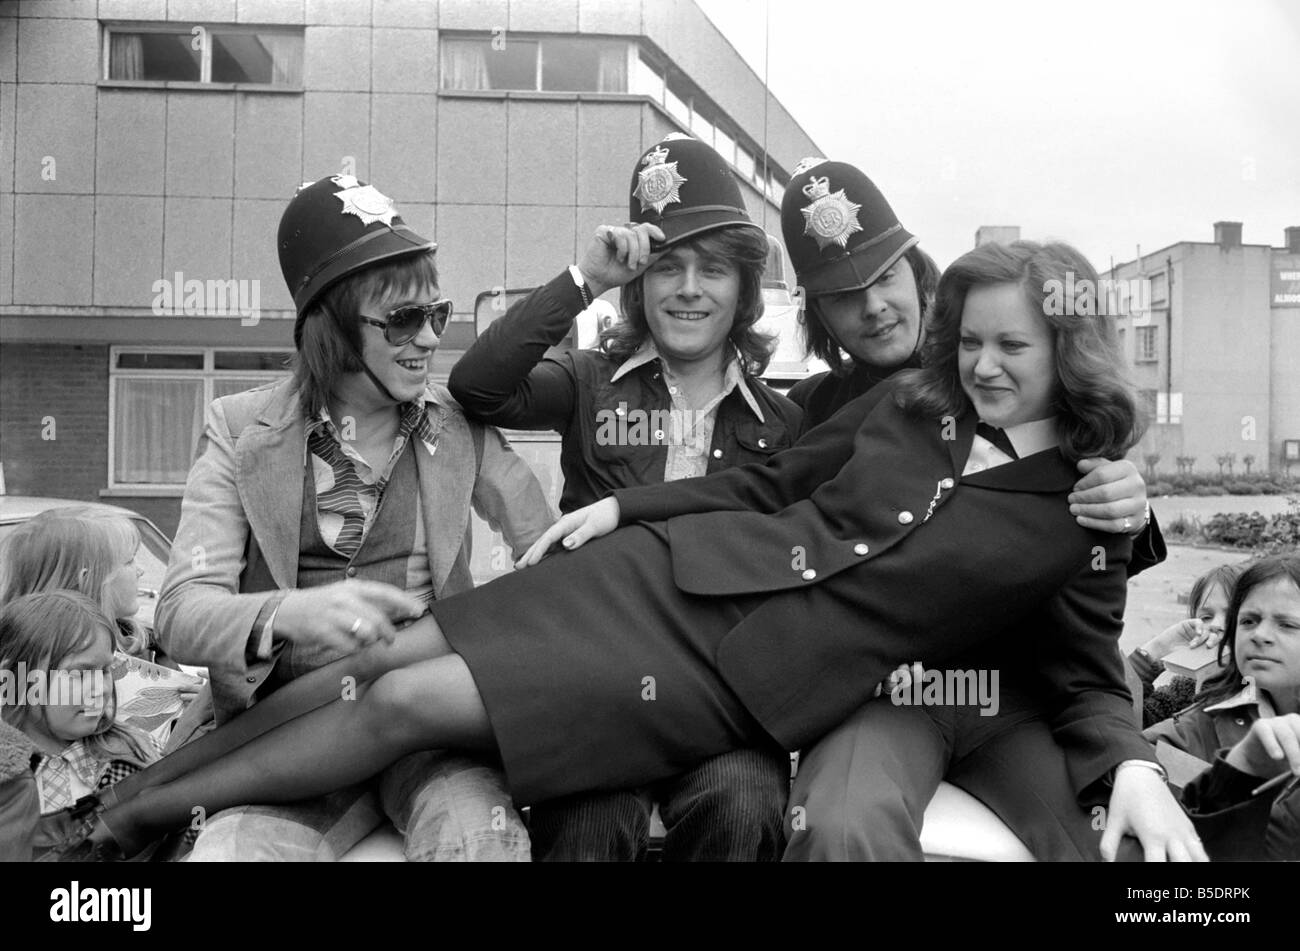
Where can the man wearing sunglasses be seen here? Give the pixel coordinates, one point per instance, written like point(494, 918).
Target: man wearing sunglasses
point(325, 510)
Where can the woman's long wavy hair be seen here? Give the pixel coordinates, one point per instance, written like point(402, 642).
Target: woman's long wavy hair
point(37, 633)
point(1094, 400)
point(74, 549)
point(818, 341)
point(329, 345)
point(1228, 681)
point(744, 248)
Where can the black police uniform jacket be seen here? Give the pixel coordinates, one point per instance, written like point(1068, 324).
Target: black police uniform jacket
point(506, 379)
point(882, 552)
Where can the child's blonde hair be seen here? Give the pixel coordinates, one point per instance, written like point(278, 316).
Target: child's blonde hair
point(37, 633)
point(72, 549)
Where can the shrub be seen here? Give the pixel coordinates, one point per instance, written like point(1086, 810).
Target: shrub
point(1236, 529)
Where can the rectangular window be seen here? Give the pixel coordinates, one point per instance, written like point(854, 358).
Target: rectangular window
point(702, 129)
point(551, 64)
point(226, 55)
point(647, 81)
point(1146, 341)
point(1159, 287)
point(725, 145)
point(677, 107)
point(745, 163)
point(583, 65)
point(157, 398)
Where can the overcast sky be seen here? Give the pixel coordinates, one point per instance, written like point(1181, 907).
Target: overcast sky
point(1110, 123)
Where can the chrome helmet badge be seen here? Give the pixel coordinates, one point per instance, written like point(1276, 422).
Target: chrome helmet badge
point(659, 182)
point(829, 219)
point(365, 201)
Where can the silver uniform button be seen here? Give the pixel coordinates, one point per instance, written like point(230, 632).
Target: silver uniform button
point(762, 444)
point(905, 518)
point(672, 390)
point(808, 574)
point(620, 412)
point(717, 454)
point(860, 548)
point(946, 484)
point(659, 435)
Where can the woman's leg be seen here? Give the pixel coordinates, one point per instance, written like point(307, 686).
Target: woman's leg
point(419, 641)
point(430, 705)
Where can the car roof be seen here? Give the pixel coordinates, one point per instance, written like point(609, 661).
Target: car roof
point(20, 508)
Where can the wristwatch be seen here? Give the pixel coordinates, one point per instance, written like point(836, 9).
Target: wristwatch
point(576, 273)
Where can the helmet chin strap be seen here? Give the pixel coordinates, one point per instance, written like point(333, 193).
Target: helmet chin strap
point(375, 380)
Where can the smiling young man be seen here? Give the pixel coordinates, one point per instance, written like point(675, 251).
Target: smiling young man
point(324, 509)
point(673, 392)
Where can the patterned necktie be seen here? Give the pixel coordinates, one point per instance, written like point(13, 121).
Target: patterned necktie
point(998, 437)
point(344, 497)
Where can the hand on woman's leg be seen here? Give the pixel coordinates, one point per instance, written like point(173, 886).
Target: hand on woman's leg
point(430, 705)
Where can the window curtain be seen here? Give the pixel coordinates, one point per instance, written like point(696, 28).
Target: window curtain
point(125, 56)
point(158, 423)
point(286, 57)
point(464, 65)
point(612, 69)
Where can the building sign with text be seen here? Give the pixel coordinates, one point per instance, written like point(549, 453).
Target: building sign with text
point(1284, 287)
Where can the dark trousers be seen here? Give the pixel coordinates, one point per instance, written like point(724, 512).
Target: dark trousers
point(861, 792)
point(730, 808)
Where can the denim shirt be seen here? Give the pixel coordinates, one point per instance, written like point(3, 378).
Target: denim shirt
point(606, 418)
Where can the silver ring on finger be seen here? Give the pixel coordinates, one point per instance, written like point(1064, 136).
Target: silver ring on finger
point(356, 626)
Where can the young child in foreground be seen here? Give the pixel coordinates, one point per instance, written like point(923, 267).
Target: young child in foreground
point(1246, 723)
point(58, 738)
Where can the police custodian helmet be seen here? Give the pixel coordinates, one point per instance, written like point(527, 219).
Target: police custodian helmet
point(840, 232)
point(685, 188)
point(334, 227)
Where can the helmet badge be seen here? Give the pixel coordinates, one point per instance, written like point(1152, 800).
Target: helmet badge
point(830, 218)
point(365, 201)
point(659, 182)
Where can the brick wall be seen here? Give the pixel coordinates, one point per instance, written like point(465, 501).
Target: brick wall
point(68, 386)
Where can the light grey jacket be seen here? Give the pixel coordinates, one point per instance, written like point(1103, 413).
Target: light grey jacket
point(240, 518)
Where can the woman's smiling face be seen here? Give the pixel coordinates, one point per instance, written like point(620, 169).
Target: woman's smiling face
point(1005, 356)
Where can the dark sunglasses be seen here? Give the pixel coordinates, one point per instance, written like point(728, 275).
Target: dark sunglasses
point(405, 322)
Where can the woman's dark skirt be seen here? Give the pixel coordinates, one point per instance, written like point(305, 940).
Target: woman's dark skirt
point(596, 671)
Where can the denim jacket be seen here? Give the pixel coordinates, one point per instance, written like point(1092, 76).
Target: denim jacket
point(506, 379)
